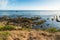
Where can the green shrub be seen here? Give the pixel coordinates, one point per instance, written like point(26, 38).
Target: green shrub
point(4, 35)
point(37, 29)
point(52, 30)
point(28, 29)
point(7, 28)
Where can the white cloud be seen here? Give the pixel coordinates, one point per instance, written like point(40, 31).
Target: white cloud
point(57, 7)
point(3, 4)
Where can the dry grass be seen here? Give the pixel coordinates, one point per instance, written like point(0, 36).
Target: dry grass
point(28, 35)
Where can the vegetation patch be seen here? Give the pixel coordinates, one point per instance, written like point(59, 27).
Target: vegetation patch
point(51, 30)
point(7, 28)
point(28, 29)
point(4, 35)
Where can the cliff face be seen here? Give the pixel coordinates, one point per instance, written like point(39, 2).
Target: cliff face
point(32, 35)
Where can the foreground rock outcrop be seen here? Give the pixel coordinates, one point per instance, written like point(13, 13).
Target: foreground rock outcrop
point(31, 35)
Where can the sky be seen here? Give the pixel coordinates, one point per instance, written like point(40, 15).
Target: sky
point(29, 4)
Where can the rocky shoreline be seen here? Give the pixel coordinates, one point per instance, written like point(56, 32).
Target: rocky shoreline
point(20, 28)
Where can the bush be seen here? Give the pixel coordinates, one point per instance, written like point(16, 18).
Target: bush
point(52, 30)
point(4, 35)
point(28, 29)
point(7, 28)
point(37, 29)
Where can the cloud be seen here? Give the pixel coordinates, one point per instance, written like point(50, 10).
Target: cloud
point(10, 5)
point(3, 4)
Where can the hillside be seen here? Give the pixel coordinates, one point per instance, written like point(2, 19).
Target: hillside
point(28, 35)
point(21, 28)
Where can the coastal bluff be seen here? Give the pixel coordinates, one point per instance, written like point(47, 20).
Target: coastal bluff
point(31, 35)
